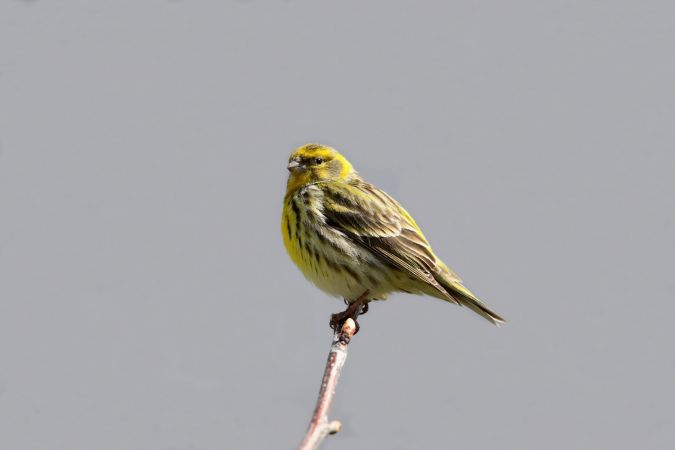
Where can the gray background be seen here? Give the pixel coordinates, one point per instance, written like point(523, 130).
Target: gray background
point(146, 300)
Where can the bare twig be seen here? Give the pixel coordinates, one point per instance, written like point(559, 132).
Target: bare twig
point(320, 427)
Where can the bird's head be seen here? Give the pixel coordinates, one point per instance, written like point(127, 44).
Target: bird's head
point(314, 163)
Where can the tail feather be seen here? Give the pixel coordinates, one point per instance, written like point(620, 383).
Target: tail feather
point(481, 309)
point(464, 297)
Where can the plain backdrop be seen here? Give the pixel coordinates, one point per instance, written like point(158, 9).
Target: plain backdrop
point(146, 300)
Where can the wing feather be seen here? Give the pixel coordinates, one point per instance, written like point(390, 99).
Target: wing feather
point(379, 223)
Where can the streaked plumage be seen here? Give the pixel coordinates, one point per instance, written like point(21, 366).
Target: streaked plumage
point(348, 237)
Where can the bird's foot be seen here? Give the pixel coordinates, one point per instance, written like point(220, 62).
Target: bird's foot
point(354, 309)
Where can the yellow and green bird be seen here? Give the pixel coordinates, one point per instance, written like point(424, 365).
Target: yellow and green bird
point(354, 241)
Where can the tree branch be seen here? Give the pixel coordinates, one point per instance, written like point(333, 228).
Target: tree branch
point(319, 426)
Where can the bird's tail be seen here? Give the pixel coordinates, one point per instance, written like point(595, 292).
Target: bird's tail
point(465, 297)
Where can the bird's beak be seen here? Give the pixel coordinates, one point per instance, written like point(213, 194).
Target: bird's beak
point(293, 166)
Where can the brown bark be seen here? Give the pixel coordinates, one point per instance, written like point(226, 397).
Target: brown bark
point(319, 426)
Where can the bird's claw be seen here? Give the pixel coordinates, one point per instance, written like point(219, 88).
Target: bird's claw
point(353, 311)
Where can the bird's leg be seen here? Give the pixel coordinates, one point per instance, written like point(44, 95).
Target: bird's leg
point(353, 311)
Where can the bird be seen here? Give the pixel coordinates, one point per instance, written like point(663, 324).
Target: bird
point(352, 240)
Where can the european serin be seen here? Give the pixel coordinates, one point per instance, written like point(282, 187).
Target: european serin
point(354, 241)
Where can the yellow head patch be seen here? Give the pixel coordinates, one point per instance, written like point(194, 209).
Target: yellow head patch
point(313, 163)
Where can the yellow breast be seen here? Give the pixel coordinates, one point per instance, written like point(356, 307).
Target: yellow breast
point(329, 264)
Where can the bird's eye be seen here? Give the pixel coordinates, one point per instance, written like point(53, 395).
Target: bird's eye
point(318, 160)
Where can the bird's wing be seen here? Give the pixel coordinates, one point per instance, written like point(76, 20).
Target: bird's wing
point(376, 221)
